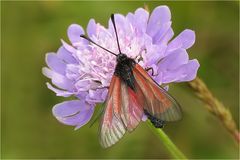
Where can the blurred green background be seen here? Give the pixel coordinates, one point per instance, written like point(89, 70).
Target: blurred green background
point(31, 29)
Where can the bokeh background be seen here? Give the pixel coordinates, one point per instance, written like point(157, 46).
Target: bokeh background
point(31, 29)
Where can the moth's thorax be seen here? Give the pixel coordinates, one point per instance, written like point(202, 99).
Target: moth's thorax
point(124, 59)
point(124, 69)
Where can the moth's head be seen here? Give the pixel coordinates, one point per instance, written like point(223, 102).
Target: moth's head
point(121, 57)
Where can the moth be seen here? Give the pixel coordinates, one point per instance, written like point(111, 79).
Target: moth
point(132, 94)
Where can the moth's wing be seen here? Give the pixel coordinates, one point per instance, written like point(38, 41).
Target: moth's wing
point(159, 103)
point(123, 112)
point(132, 106)
point(112, 127)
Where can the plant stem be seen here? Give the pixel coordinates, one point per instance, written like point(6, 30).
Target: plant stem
point(171, 147)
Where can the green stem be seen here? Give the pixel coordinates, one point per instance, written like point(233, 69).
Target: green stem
point(171, 147)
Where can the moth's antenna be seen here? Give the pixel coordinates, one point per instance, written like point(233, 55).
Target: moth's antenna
point(114, 25)
point(88, 39)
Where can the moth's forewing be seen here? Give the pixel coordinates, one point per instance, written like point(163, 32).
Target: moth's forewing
point(111, 126)
point(159, 103)
point(123, 112)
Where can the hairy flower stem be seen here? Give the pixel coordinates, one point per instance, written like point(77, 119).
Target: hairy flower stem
point(171, 147)
point(215, 106)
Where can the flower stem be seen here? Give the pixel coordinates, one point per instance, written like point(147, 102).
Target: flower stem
point(215, 107)
point(171, 147)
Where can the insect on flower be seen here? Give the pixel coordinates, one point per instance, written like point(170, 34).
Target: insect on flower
point(122, 65)
point(133, 93)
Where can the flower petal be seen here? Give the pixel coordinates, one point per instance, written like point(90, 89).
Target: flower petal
point(141, 16)
point(74, 32)
point(190, 70)
point(73, 71)
point(66, 55)
point(97, 96)
point(158, 78)
point(59, 92)
point(83, 84)
point(185, 72)
point(55, 63)
point(68, 47)
point(166, 87)
point(174, 60)
point(58, 79)
point(91, 28)
point(184, 40)
point(155, 53)
point(162, 32)
point(124, 28)
point(167, 37)
point(144, 118)
point(158, 18)
point(74, 113)
point(139, 20)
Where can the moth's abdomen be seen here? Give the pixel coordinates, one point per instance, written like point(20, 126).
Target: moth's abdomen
point(158, 123)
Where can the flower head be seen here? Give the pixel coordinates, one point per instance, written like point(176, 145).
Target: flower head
point(84, 70)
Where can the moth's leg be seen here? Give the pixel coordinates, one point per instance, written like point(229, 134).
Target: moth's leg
point(150, 68)
point(139, 57)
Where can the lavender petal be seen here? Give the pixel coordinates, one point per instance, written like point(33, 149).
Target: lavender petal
point(185, 72)
point(55, 63)
point(91, 28)
point(174, 60)
point(190, 70)
point(66, 55)
point(58, 79)
point(159, 17)
point(74, 32)
point(74, 113)
point(59, 92)
point(184, 40)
